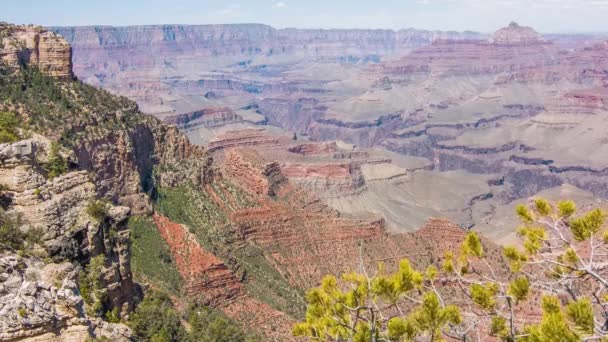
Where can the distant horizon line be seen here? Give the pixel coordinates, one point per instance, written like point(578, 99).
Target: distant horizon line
point(574, 32)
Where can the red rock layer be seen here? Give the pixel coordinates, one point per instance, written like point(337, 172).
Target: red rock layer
point(309, 240)
point(244, 173)
point(208, 278)
point(206, 275)
point(242, 138)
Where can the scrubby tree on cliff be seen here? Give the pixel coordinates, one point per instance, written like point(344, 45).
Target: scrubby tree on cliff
point(373, 308)
point(559, 274)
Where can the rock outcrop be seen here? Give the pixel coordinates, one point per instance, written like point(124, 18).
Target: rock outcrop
point(40, 298)
point(38, 47)
point(208, 117)
point(515, 34)
point(41, 302)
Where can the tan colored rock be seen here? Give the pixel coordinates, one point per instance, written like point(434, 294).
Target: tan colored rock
point(515, 34)
point(36, 46)
point(41, 302)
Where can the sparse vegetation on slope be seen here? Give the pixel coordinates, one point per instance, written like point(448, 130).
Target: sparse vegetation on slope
point(209, 223)
point(151, 259)
point(66, 110)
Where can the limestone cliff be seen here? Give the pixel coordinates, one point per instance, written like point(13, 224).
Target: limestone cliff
point(36, 46)
point(39, 288)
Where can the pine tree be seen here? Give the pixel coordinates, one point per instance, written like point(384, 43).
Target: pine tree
point(562, 259)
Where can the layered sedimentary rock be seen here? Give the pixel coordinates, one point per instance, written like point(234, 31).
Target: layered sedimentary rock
point(515, 34)
point(127, 60)
point(250, 39)
point(510, 49)
point(489, 112)
point(210, 280)
point(43, 298)
point(208, 117)
point(35, 46)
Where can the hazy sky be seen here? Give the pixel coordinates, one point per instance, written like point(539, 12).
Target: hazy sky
point(478, 15)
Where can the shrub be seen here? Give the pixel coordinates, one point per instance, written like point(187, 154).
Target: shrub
point(10, 235)
point(8, 127)
point(57, 165)
point(91, 286)
point(155, 319)
point(209, 325)
point(112, 316)
point(34, 235)
point(97, 209)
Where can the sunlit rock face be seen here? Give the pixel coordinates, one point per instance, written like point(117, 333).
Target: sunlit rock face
point(36, 46)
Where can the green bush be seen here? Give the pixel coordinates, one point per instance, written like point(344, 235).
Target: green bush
point(8, 127)
point(208, 325)
point(155, 319)
point(91, 286)
point(57, 165)
point(10, 235)
point(112, 316)
point(97, 209)
point(34, 236)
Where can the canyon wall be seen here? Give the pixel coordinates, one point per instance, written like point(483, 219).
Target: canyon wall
point(36, 46)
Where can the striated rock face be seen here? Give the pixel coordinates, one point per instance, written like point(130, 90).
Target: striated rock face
point(211, 281)
point(36, 46)
point(258, 39)
point(123, 161)
point(477, 58)
point(208, 117)
point(308, 239)
point(327, 180)
point(128, 60)
point(242, 138)
point(515, 34)
point(205, 274)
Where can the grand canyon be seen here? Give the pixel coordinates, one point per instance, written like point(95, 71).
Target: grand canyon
point(399, 125)
point(231, 167)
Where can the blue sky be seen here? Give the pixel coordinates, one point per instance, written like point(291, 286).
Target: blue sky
point(479, 15)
